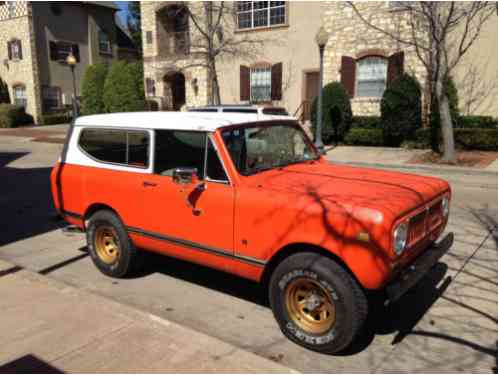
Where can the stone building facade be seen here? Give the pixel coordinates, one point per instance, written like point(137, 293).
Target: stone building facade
point(35, 39)
point(362, 59)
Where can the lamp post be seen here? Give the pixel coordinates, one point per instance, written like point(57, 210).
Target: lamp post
point(71, 62)
point(321, 38)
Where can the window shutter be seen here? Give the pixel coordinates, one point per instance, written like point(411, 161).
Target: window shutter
point(245, 84)
point(76, 51)
point(19, 48)
point(54, 54)
point(9, 50)
point(395, 66)
point(276, 82)
point(348, 72)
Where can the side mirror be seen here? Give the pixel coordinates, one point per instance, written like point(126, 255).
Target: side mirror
point(185, 176)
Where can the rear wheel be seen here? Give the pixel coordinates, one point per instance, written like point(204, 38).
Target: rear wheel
point(109, 246)
point(316, 303)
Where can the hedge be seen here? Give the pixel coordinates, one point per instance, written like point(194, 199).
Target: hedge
point(467, 139)
point(482, 122)
point(366, 122)
point(92, 89)
point(364, 137)
point(12, 116)
point(4, 92)
point(123, 88)
point(337, 112)
point(401, 110)
point(57, 118)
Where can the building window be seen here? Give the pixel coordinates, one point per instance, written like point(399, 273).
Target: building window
point(14, 49)
point(256, 14)
point(59, 51)
point(51, 98)
point(371, 76)
point(11, 6)
point(20, 96)
point(260, 84)
point(104, 43)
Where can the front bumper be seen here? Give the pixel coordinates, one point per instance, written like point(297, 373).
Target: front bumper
point(417, 270)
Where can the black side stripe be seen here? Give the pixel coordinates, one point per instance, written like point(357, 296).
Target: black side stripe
point(72, 214)
point(200, 247)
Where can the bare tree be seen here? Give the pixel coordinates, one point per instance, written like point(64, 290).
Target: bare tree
point(440, 33)
point(212, 37)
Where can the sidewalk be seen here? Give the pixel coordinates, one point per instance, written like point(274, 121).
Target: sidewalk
point(48, 326)
point(385, 157)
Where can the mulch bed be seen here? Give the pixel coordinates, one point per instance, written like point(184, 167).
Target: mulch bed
point(30, 133)
point(49, 140)
point(476, 159)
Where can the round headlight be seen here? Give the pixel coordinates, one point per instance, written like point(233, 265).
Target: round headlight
point(400, 236)
point(445, 206)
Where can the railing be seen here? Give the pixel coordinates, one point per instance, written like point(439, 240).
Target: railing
point(303, 112)
point(175, 43)
point(13, 9)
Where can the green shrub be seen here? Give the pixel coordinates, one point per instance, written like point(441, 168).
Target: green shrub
point(92, 89)
point(337, 115)
point(401, 110)
point(366, 122)
point(364, 137)
point(123, 88)
point(12, 116)
point(470, 122)
point(56, 118)
point(467, 139)
point(4, 92)
point(452, 93)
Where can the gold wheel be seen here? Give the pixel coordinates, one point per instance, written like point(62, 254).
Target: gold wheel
point(310, 306)
point(107, 244)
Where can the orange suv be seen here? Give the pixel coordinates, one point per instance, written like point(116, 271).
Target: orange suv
point(249, 194)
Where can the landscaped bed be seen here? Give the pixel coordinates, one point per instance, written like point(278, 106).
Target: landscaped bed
point(476, 159)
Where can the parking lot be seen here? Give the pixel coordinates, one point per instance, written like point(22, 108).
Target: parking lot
point(448, 323)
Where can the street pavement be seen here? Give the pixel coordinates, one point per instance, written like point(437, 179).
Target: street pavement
point(448, 323)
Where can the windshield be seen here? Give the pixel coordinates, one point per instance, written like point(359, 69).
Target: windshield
point(261, 147)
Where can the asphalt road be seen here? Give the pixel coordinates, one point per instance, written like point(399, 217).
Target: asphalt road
point(448, 323)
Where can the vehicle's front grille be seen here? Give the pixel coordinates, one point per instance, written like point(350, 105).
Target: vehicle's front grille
point(421, 224)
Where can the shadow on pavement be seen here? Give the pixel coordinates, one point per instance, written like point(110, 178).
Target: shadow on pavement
point(29, 364)
point(25, 200)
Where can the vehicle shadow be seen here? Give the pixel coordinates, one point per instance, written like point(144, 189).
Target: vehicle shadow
point(25, 200)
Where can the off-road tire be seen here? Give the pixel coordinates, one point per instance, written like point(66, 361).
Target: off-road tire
point(128, 260)
point(351, 306)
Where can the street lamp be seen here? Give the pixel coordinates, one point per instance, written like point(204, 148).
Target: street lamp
point(321, 38)
point(71, 62)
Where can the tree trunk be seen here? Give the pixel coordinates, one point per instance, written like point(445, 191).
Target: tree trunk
point(216, 85)
point(449, 155)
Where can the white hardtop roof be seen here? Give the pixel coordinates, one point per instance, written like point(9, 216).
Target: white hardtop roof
point(200, 121)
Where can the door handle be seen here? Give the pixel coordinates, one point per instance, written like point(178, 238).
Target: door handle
point(149, 184)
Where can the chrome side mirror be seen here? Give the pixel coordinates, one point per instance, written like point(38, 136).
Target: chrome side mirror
point(185, 176)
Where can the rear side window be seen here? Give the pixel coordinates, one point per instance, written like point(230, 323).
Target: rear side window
point(275, 111)
point(240, 110)
point(127, 147)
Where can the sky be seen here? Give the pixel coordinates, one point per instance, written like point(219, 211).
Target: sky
point(123, 14)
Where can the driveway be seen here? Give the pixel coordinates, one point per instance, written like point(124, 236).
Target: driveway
point(448, 323)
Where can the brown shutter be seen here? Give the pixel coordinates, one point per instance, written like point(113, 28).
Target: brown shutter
point(19, 48)
point(245, 84)
point(395, 66)
point(76, 51)
point(276, 82)
point(54, 54)
point(9, 50)
point(348, 72)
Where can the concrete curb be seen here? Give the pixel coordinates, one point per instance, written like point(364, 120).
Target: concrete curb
point(412, 167)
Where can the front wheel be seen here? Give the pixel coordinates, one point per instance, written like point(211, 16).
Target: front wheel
point(316, 303)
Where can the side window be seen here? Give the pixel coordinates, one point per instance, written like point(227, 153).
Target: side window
point(215, 170)
point(176, 149)
point(116, 146)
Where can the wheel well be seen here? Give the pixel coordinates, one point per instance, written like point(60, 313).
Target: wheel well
point(295, 248)
point(97, 207)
